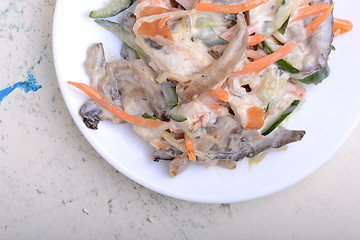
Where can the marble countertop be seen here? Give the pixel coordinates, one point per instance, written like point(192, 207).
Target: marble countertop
point(55, 186)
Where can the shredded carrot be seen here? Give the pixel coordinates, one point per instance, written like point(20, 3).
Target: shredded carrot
point(251, 29)
point(297, 91)
point(97, 97)
point(151, 10)
point(228, 33)
point(190, 147)
point(315, 24)
point(256, 39)
point(236, 8)
point(225, 35)
point(219, 93)
point(343, 25)
point(264, 62)
point(215, 107)
point(163, 21)
point(306, 2)
point(158, 143)
point(152, 29)
point(310, 11)
point(260, 136)
point(253, 40)
point(256, 118)
point(161, 3)
point(253, 54)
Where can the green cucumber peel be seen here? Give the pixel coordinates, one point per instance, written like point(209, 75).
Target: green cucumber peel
point(170, 94)
point(123, 34)
point(318, 76)
point(268, 106)
point(177, 114)
point(206, 22)
point(209, 37)
point(283, 116)
point(283, 13)
point(282, 29)
point(282, 63)
point(112, 9)
point(148, 116)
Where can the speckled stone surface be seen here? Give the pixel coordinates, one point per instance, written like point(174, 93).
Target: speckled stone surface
point(53, 185)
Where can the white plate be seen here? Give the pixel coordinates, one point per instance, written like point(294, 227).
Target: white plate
point(328, 115)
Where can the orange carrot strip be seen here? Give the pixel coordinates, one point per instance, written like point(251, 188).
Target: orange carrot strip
point(228, 33)
point(151, 10)
point(152, 29)
point(215, 107)
point(236, 8)
point(225, 35)
point(159, 3)
point(251, 29)
point(158, 143)
point(253, 40)
point(342, 24)
point(219, 93)
point(253, 54)
point(256, 118)
point(315, 24)
point(260, 64)
point(309, 11)
point(163, 21)
point(256, 39)
point(97, 97)
point(190, 147)
point(306, 2)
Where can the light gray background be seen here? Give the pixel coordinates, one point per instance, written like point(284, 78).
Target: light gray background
point(53, 185)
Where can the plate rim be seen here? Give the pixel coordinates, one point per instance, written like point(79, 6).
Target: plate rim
point(158, 189)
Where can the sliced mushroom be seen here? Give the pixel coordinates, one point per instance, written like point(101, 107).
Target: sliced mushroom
point(101, 77)
point(236, 143)
point(319, 44)
point(150, 87)
point(128, 53)
point(178, 165)
point(166, 154)
point(90, 112)
point(219, 70)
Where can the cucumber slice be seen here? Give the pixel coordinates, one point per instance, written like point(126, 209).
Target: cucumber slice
point(285, 10)
point(268, 107)
point(282, 29)
point(317, 77)
point(123, 34)
point(209, 37)
point(169, 91)
point(177, 114)
point(284, 115)
point(273, 88)
point(112, 9)
point(207, 22)
point(283, 64)
point(286, 66)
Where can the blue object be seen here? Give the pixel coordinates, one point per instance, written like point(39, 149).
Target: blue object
point(29, 85)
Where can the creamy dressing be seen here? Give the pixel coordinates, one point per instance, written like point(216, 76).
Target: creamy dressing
point(201, 112)
point(224, 123)
point(261, 16)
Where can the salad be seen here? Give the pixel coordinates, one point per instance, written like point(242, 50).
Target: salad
point(209, 82)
